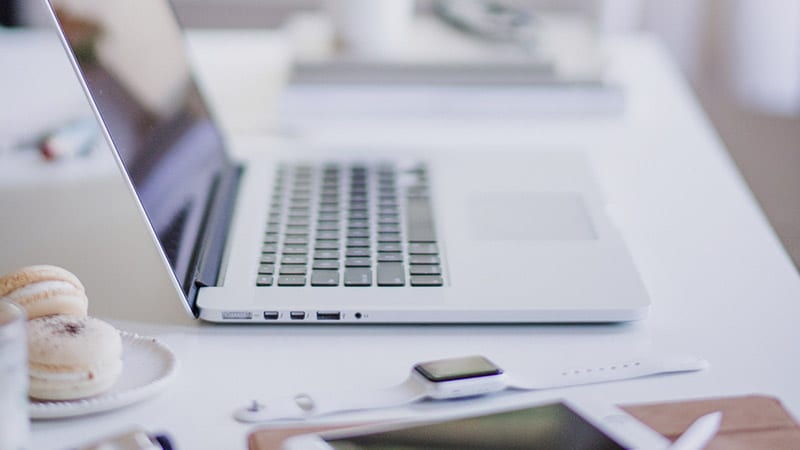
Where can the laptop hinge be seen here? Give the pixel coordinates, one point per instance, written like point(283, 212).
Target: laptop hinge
point(210, 248)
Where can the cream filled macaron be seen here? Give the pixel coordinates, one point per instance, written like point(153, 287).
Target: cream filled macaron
point(72, 357)
point(45, 290)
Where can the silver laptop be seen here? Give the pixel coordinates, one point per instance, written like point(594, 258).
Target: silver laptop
point(385, 236)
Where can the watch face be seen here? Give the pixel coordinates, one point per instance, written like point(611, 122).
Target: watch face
point(457, 368)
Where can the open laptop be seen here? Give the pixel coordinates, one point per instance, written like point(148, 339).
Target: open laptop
point(369, 237)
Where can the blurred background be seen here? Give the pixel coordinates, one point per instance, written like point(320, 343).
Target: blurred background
point(741, 58)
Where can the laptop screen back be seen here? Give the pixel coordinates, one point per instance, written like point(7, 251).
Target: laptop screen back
point(132, 58)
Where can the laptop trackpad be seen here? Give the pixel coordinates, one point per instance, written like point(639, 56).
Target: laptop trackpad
point(530, 216)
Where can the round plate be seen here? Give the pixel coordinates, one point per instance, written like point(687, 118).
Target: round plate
point(148, 366)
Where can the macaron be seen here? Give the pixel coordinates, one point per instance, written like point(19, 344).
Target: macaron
point(45, 290)
point(72, 357)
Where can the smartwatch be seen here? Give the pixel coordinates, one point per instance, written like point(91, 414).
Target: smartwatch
point(453, 378)
point(459, 377)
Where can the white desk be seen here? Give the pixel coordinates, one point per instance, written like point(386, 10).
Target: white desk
point(721, 284)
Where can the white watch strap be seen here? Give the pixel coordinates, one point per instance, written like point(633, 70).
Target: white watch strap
point(623, 370)
point(302, 406)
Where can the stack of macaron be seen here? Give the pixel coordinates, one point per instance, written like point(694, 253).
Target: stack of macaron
point(70, 355)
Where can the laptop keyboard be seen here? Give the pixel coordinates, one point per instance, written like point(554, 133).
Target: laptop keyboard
point(350, 225)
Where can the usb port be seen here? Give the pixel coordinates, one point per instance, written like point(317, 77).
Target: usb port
point(329, 315)
point(270, 315)
point(297, 315)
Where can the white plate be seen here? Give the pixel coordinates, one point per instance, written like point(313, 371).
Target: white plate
point(148, 366)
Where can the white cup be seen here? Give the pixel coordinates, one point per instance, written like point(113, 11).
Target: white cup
point(14, 422)
point(372, 29)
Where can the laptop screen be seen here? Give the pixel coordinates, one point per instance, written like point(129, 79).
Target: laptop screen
point(131, 54)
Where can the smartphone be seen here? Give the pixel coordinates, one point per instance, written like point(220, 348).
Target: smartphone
point(553, 425)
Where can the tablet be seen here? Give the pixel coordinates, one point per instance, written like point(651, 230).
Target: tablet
point(553, 425)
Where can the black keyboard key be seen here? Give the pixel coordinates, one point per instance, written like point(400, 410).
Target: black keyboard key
point(357, 262)
point(326, 245)
point(424, 259)
point(328, 235)
point(425, 270)
point(296, 231)
point(390, 257)
point(391, 274)
point(388, 238)
point(358, 252)
point(328, 226)
point(358, 198)
point(291, 280)
point(390, 248)
point(266, 269)
point(300, 199)
point(358, 206)
point(329, 196)
point(358, 215)
point(419, 220)
point(426, 280)
point(293, 270)
point(326, 254)
point(299, 222)
point(325, 278)
point(294, 259)
point(357, 276)
point(295, 249)
point(264, 280)
point(358, 194)
point(296, 240)
point(326, 264)
point(423, 249)
point(355, 234)
point(358, 242)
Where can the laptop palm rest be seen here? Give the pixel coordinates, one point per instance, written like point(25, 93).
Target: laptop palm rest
point(530, 216)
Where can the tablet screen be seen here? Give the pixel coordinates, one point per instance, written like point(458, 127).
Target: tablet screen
point(553, 427)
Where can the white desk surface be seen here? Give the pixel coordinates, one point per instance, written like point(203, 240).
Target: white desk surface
point(721, 284)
